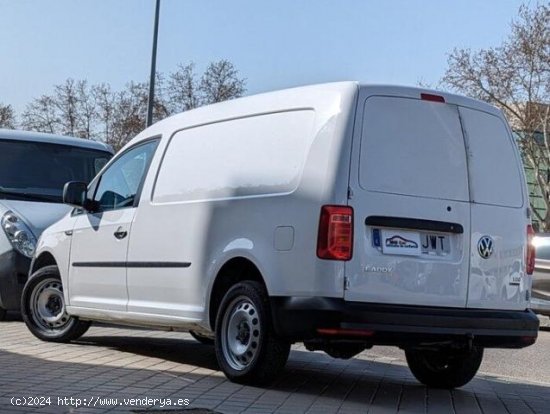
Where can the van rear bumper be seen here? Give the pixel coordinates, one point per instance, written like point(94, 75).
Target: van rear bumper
point(299, 318)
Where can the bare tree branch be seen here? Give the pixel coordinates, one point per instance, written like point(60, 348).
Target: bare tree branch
point(515, 76)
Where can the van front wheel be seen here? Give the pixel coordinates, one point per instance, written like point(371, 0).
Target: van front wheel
point(247, 348)
point(43, 308)
point(444, 369)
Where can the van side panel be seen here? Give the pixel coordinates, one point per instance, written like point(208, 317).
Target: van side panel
point(248, 187)
point(248, 157)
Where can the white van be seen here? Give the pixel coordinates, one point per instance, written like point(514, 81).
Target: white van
point(338, 215)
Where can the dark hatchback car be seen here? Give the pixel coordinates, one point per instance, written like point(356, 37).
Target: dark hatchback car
point(540, 299)
point(33, 170)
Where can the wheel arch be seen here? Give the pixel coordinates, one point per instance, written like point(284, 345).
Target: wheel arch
point(42, 260)
point(233, 271)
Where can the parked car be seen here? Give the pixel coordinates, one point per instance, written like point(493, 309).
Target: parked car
point(292, 216)
point(33, 169)
point(540, 300)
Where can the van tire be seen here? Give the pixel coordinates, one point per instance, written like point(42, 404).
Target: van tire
point(247, 348)
point(43, 308)
point(2, 314)
point(444, 369)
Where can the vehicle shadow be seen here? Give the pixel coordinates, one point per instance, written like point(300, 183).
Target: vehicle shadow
point(188, 352)
point(12, 316)
point(182, 368)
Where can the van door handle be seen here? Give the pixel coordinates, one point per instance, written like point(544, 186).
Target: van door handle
point(120, 234)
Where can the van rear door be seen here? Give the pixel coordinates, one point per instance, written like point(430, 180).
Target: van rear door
point(498, 213)
point(409, 191)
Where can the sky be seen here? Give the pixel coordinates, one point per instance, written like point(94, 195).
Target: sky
point(274, 44)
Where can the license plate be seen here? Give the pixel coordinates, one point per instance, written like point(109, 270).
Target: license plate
point(411, 243)
point(435, 244)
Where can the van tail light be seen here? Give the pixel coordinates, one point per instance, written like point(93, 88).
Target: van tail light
point(530, 255)
point(432, 98)
point(335, 237)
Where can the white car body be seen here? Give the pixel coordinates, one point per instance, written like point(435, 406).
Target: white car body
point(242, 184)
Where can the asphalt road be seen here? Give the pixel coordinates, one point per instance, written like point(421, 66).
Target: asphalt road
point(531, 363)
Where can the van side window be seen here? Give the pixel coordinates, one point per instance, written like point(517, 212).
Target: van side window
point(119, 184)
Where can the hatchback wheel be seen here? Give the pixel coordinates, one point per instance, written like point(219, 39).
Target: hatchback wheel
point(247, 348)
point(43, 308)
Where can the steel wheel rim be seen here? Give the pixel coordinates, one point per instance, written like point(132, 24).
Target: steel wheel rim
point(48, 305)
point(241, 333)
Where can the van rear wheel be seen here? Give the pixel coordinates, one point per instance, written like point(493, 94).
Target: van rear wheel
point(444, 369)
point(247, 348)
point(43, 308)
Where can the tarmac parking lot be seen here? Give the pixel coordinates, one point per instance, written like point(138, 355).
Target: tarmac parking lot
point(115, 369)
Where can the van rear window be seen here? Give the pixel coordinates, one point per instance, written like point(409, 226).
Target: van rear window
point(245, 157)
point(494, 163)
point(413, 147)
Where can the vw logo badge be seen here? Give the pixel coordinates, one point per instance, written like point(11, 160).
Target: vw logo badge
point(485, 247)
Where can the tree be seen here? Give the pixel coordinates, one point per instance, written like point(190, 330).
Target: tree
point(515, 76)
point(86, 111)
point(65, 101)
point(40, 115)
point(98, 112)
point(220, 82)
point(130, 111)
point(7, 117)
point(70, 110)
point(105, 104)
point(183, 89)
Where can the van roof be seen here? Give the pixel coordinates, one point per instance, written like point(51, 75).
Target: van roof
point(18, 135)
point(325, 96)
point(415, 92)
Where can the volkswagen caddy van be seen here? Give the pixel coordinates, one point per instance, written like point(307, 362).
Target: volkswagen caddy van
point(33, 170)
point(338, 215)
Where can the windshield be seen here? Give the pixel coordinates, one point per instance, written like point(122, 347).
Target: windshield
point(37, 171)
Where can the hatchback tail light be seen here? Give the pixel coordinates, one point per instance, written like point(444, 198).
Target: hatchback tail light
point(335, 237)
point(530, 255)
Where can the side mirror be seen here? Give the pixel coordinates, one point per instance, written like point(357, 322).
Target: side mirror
point(74, 194)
